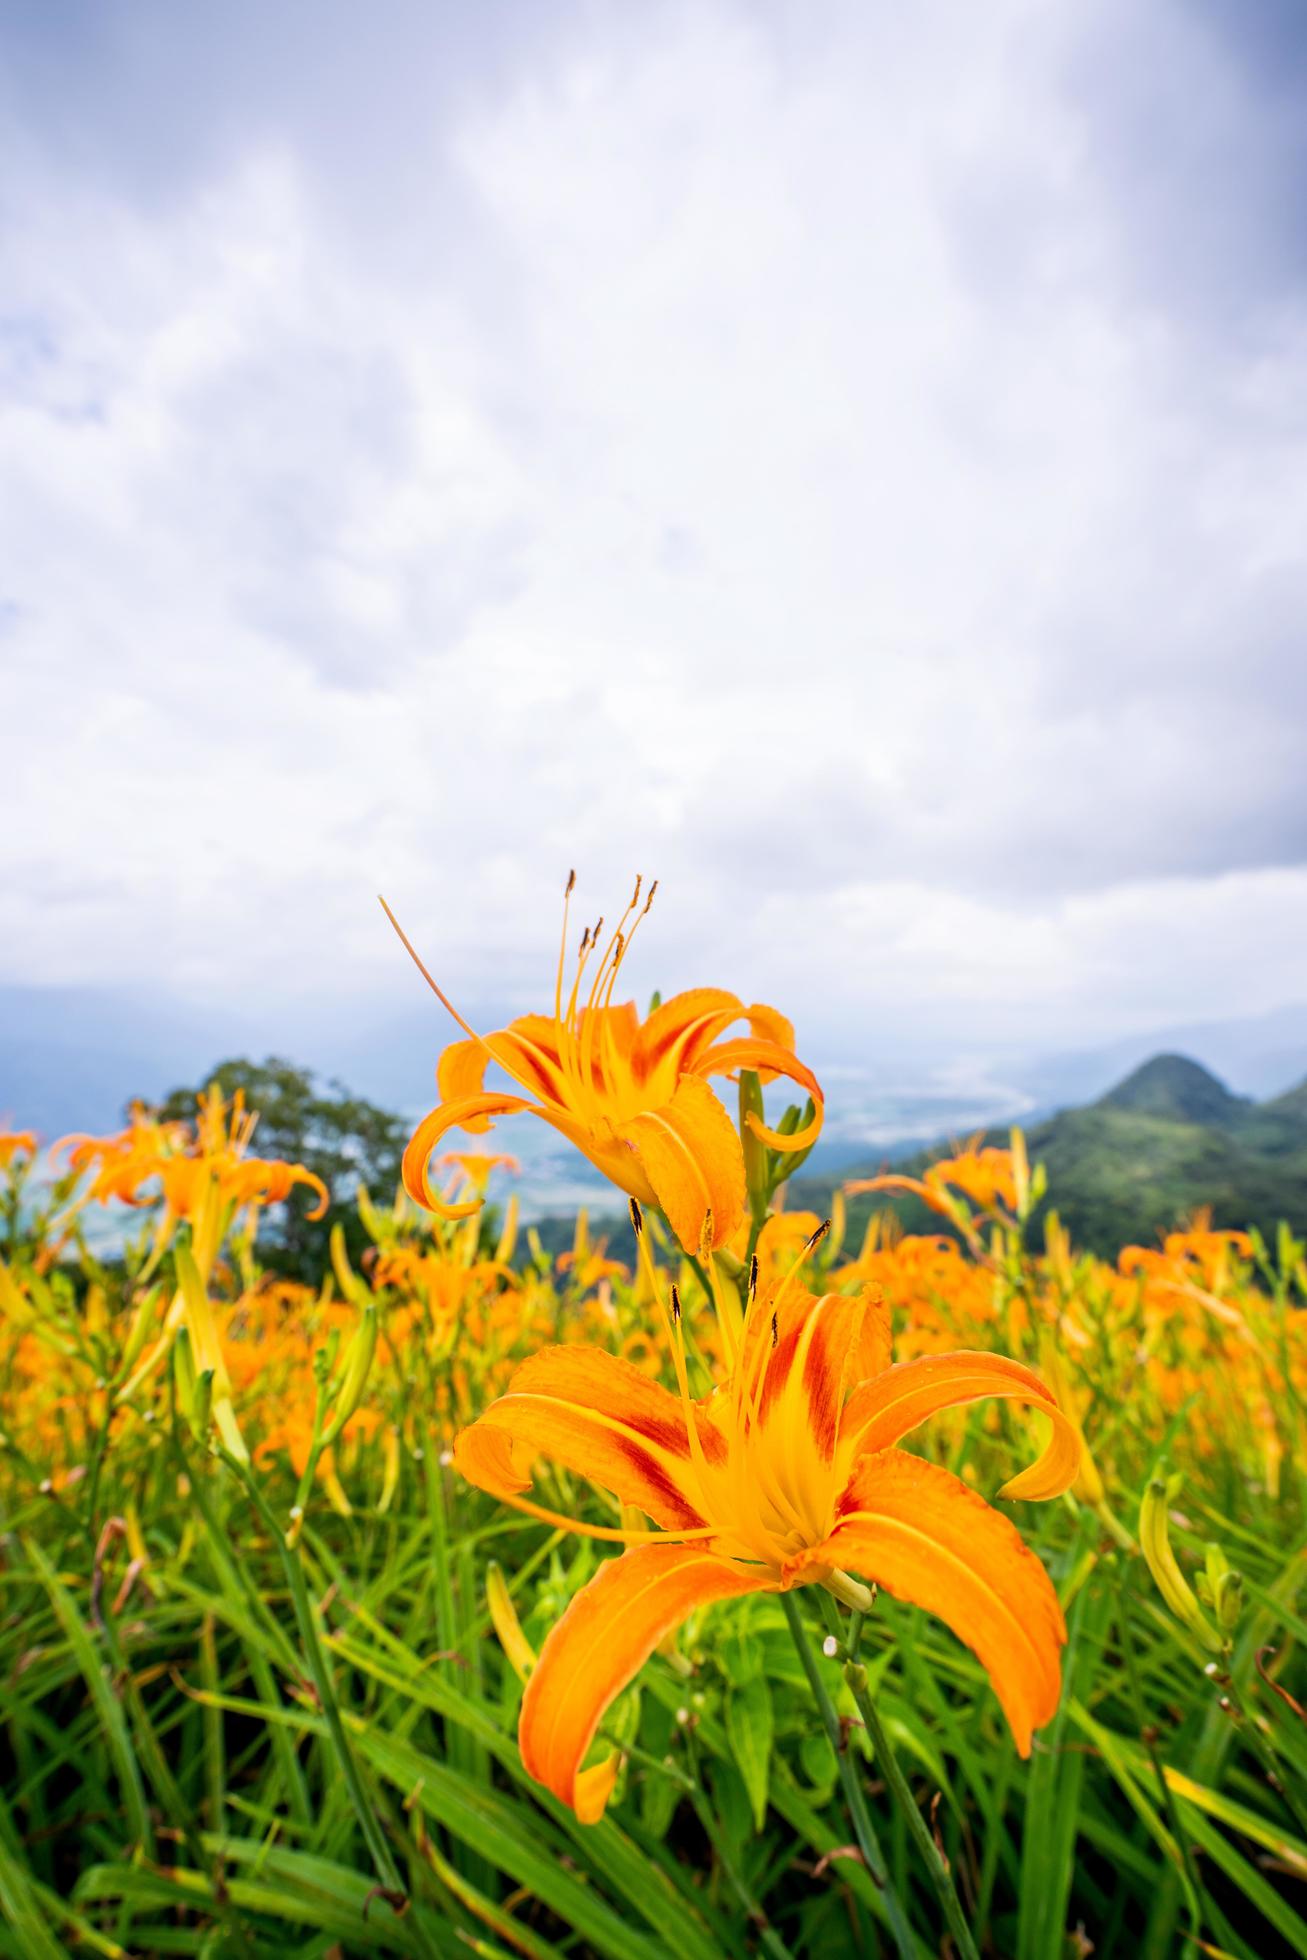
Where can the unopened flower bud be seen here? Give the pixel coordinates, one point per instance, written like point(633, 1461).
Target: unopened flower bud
point(517, 1648)
point(1229, 1601)
point(757, 1180)
point(1155, 1543)
point(354, 1374)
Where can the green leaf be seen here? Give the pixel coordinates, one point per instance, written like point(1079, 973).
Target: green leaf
point(739, 1655)
point(750, 1726)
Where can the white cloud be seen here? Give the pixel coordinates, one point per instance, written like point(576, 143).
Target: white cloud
point(765, 459)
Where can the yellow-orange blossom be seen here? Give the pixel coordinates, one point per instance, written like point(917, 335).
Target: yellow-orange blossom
point(632, 1095)
point(786, 1475)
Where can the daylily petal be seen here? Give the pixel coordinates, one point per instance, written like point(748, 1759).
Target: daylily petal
point(602, 1641)
point(691, 1153)
point(881, 1411)
point(270, 1181)
point(525, 1049)
point(919, 1532)
point(769, 1059)
point(769, 1024)
point(677, 1030)
point(938, 1199)
point(451, 1116)
point(461, 1072)
point(599, 1416)
point(876, 1346)
point(807, 1370)
point(528, 1049)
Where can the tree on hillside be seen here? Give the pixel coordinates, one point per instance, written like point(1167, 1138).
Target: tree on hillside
point(343, 1139)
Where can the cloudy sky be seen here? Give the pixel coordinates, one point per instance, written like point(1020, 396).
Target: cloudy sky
point(849, 461)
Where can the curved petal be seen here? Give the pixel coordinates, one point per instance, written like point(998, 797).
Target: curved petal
point(299, 1175)
point(917, 1530)
point(599, 1416)
point(270, 1181)
point(691, 1153)
point(882, 1411)
point(451, 1116)
point(461, 1072)
point(676, 1031)
point(528, 1048)
point(600, 1644)
point(769, 1024)
point(770, 1060)
point(935, 1196)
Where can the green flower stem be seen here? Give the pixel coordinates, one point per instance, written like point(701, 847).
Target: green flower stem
point(853, 1792)
point(769, 1939)
point(936, 1863)
point(1188, 1877)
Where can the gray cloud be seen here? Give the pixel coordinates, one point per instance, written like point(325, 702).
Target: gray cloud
point(854, 464)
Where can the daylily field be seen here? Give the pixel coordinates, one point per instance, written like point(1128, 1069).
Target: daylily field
point(772, 1591)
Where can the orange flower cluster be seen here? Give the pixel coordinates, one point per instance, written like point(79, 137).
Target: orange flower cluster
point(788, 1472)
point(185, 1165)
point(731, 1400)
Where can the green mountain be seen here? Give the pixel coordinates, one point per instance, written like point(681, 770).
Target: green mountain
point(1178, 1091)
point(1168, 1139)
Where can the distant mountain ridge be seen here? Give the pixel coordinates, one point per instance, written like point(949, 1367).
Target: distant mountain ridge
point(1178, 1090)
point(1169, 1139)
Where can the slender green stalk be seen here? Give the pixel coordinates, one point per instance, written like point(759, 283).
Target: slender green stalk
point(364, 1810)
point(236, 1581)
point(1188, 1876)
point(936, 1863)
point(768, 1937)
point(860, 1818)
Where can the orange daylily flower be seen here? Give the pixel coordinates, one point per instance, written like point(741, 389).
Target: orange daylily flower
point(786, 1475)
point(631, 1095)
point(185, 1166)
point(985, 1176)
point(12, 1141)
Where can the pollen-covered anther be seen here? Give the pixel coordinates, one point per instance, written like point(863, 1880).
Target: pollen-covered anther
point(753, 1278)
point(637, 1217)
point(676, 1302)
point(706, 1235)
point(818, 1236)
point(775, 1330)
